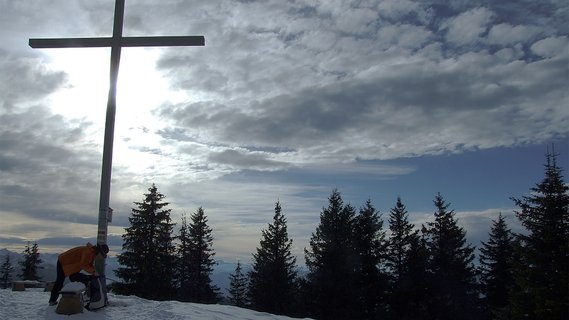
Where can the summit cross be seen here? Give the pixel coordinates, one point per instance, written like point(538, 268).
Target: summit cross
point(116, 42)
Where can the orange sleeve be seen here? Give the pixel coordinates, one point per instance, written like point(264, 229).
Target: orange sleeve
point(87, 259)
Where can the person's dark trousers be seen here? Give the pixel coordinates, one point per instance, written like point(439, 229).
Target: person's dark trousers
point(76, 277)
point(81, 277)
point(58, 283)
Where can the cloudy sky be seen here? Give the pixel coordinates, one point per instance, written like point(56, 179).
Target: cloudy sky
point(287, 101)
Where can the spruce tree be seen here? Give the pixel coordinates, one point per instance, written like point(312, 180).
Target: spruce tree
point(450, 265)
point(370, 247)
point(496, 271)
point(31, 263)
point(406, 263)
point(411, 298)
point(6, 272)
point(198, 261)
point(183, 261)
point(542, 271)
point(148, 256)
point(238, 286)
point(399, 240)
point(332, 263)
point(273, 275)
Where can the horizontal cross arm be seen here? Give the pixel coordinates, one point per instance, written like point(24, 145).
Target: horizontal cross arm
point(163, 41)
point(70, 43)
point(123, 42)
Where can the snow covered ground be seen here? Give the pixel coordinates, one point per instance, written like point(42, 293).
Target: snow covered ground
point(32, 304)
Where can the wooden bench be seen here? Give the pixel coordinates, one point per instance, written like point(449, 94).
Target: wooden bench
point(22, 285)
point(71, 301)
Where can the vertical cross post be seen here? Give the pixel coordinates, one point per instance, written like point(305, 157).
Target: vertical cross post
point(116, 42)
point(105, 193)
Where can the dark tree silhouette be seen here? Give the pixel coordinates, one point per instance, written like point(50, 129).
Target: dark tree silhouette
point(412, 295)
point(196, 260)
point(184, 261)
point(6, 272)
point(148, 256)
point(371, 249)
point(238, 287)
point(332, 261)
point(31, 263)
point(496, 271)
point(399, 241)
point(272, 280)
point(406, 262)
point(542, 271)
point(452, 272)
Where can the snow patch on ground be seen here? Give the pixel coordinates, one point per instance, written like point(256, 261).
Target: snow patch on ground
point(32, 304)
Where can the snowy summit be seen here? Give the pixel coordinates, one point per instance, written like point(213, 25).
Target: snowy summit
point(32, 304)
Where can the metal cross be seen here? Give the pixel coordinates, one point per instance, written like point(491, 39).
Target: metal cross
point(116, 42)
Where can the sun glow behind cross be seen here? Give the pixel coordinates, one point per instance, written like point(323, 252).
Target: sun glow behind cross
point(140, 87)
point(140, 90)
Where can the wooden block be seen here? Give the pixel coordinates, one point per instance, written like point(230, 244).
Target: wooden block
point(70, 303)
point(18, 286)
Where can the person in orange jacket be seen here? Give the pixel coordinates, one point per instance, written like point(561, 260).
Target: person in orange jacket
point(71, 262)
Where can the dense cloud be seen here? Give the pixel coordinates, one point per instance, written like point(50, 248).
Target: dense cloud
point(42, 153)
point(25, 79)
point(415, 82)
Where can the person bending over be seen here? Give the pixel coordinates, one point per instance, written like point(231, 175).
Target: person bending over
point(71, 262)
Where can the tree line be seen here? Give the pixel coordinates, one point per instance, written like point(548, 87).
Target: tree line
point(29, 266)
point(357, 268)
point(158, 265)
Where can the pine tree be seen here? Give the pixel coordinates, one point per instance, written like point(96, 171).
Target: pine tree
point(412, 296)
point(197, 260)
point(148, 256)
point(399, 240)
point(273, 275)
point(332, 262)
point(406, 262)
point(496, 259)
point(184, 261)
point(238, 286)
point(370, 246)
point(542, 273)
point(31, 263)
point(450, 264)
point(6, 272)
